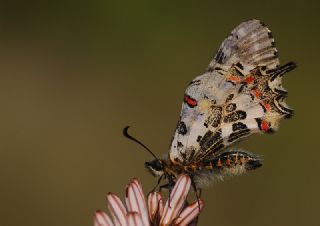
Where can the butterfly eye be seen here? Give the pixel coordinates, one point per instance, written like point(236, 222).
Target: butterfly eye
point(157, 165)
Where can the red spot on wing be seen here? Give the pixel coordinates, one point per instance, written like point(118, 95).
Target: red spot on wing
point(267, 106)
point(234, 78)
point(190, 101)
point(249, 79)
point(265, 126)
point(256, 93)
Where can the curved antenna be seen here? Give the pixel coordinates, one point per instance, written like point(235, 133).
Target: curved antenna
point(127, 135)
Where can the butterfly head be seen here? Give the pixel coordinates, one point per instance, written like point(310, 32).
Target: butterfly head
point(155, 167)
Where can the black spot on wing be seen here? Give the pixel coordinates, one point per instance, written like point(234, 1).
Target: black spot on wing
point(239, 126)
point(236, 135)
point(182, 128)
point(280, 71)
point(195, 82)
point(259, 121)
point(242, 88)
point(231, 107)
point(216, 117)
point(218, 69)
point(239, 65)
point(284, 110)
point(218, 146)
point(220, 56)
point(280, 91)
point(235, 116)
point(206, 138)
point(211, 141)
point(230, 97)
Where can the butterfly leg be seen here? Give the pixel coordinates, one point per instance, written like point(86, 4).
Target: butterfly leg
point(198, 192)
point(166, 186)
point(155, 187)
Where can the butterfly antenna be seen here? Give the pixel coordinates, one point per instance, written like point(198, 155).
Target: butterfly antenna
point(127, 135)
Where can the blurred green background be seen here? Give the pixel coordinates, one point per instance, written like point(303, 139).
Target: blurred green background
point(74, 73)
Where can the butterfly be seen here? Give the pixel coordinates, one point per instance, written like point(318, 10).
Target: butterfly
point(239, 94)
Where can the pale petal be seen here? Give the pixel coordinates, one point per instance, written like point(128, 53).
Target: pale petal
point(117, 209)
point(155, 205)
point(189, 213)
point(136, 201)
point(134, 219)
point(177, 200)
point(102, 219)
point(194, 223)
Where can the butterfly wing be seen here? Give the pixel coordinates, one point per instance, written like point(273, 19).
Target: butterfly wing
point(251, 43)
point(239, 94)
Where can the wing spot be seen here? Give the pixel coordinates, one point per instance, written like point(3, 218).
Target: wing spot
point(239, 65)
point(211, 141)
point(249, 79)
point(230, 97)
point(231, 107)
point(236, 135)
point(219, 56)
point(180, 144)
point(235, 116)
point(182, 129)
point(239, 126)
point(190, 101)
point(264, 125)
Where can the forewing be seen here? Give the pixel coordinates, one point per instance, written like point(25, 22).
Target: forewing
point(240, 94)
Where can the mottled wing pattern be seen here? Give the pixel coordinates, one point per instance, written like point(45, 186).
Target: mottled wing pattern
point(251, 44)
point(239, 94)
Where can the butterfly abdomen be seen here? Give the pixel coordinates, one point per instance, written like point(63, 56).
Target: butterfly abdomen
point(225, 160)
point(229, 163)
point(231, 159)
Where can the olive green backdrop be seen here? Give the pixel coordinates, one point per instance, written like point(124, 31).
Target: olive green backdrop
point(74, 73)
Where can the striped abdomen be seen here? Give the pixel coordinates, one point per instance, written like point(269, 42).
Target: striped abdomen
point(233, 159)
